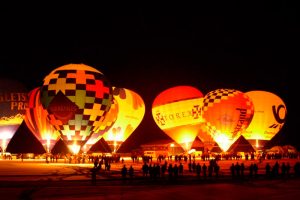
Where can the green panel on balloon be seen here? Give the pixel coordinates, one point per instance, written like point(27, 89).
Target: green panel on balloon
point(80, 98)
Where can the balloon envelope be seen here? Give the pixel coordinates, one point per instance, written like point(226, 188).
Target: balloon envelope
point(13, 102)
point(177, 111)
point(36, 121)
point(227, 113)
point(269, 116)
point(108, 122)
point(77, 97)
point(131, 113)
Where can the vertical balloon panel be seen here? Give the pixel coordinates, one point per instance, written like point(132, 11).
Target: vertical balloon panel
point(36, 121)
point(227, 113)
point(177, 111)
point(269, 117)
point(130, 115)
point(13, 102)
point(77, 97)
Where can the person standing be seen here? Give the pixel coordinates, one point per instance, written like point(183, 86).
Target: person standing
point(94, 175)
point(124, 171)
point(131, 172)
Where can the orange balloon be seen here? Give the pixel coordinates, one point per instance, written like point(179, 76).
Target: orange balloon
point(227, 113)
point(177, 111)
point(36, 121)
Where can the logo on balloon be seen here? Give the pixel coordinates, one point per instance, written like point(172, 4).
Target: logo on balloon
point(160, 119)
point(197, 111)
point(62, 108)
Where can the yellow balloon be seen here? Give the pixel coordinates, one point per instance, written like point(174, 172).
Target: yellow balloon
point(269, 116)
point(130, 115)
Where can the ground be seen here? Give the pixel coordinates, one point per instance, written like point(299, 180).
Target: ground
point(35, 179)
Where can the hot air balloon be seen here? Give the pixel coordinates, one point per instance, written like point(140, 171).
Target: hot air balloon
point(36, 121)
point(227, 113)
point(13, 102)
point(77, 97)
point(269, 117)
point(107, 123)
point(131, 113)
point(177, 111)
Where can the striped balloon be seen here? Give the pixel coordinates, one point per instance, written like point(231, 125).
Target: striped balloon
point(36, 121)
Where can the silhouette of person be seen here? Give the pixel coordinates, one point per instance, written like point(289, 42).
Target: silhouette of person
point(131, 172)
point(124, 172)
point(94, 175)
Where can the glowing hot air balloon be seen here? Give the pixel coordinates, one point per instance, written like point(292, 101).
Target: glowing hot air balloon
point(77, 97)
point(13, 102)
point(269, 117)
point(107, 123)
point(177, 111)
point(131, 112)
point(36, 121)
point(227, 113)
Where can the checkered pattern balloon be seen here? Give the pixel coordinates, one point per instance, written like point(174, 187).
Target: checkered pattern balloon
point(77, 98)
point(108, 122)
point(227, 112)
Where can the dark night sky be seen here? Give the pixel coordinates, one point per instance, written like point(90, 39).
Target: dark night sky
point(245, 47)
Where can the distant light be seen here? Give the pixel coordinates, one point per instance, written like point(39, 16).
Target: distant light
point(74, 148)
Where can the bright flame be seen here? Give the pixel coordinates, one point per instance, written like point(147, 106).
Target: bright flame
point(74, 148)
point(5, 136)
point(48, 137)
point(186, 145)
point(172, 145)
point(257, 143)
point(223, 141)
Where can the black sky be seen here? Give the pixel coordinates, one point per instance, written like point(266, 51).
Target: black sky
point(245, 47)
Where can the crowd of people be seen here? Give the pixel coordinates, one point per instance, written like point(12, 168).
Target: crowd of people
point(172, 170)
